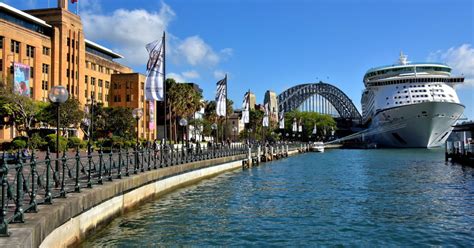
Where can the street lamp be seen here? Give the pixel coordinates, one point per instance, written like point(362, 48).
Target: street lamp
point(214, 127)
point(57, 95)
point(183, 123)
point(90, 102)
point(234, 129)
point(137, 114)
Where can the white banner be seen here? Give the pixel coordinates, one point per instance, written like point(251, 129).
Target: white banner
point(154, 84)
point(282, 120)
point(246, 111)
point(265, 121)
point(221, 100)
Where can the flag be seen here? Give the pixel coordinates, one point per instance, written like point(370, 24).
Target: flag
point(282, 120)
point(300, 127)
point(294, 127)
point(315, 129)
point(265, 121)
point(221, 97)
point(246, 107)
point(155, 79)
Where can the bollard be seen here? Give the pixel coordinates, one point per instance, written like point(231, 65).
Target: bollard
point(249, 156)
point(258, 154)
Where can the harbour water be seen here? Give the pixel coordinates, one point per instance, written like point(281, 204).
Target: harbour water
point(397, 197)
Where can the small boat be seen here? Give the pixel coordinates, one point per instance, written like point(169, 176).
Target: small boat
point(317, 146)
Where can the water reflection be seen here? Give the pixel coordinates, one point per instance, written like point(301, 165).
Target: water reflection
point(341, 197)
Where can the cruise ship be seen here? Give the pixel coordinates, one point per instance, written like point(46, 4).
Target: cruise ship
point(410, 104)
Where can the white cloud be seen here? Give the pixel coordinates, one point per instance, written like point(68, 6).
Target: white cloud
point(127, 31)
point(176, 76)
point(196, 52)
point(191, 74)
point(460, 58)
point(218, 74)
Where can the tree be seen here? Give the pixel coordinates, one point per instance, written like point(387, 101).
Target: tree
point(183, 101)
point(323, 122)
point(70, 114)
point(21, 111)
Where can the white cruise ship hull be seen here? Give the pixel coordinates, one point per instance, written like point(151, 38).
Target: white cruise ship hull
point(426, 124)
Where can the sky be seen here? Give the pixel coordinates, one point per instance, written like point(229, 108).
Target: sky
point(276, 44)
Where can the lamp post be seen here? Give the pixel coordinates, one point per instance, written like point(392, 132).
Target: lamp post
point(234, 129)
point(183, 123)
point(214, 127)
point(57, 95)
point(137, 114)
point(91, 118)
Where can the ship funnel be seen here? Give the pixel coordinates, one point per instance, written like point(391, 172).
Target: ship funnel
point(403, 59)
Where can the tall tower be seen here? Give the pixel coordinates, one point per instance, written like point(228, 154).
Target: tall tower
point(68, 48)
point(271, 99)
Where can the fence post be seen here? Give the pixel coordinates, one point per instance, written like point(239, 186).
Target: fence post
point(33, 203)
point(109, 178)
point(3, 223)
point(119, 172)
point(142, 166)
point(101, 161)
point(89, 161)
point(77, 186)
point(48, 198)
point(135, 167)
point(62, 192)
point(18, 215)
point(127, 158)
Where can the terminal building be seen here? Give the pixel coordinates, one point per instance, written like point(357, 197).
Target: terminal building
point(51, 43)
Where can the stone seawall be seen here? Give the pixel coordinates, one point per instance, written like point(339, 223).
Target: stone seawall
point(68, 220)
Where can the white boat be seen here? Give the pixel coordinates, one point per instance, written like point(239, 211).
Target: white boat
point(410, 104)
point(317, 146)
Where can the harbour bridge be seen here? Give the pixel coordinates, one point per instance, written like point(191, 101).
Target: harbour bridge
point(319, 97)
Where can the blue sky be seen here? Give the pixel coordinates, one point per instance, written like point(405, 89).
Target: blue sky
point(264, 44)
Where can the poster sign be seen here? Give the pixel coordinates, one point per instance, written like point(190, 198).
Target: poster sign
point(151, 112)
point(21, 79)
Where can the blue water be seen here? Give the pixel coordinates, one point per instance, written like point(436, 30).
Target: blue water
point(340, 197)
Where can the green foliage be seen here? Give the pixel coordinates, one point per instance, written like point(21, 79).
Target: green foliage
point(51, 140)
point(75, 142)
point(18, 144)
point(37, 142)
point(324, 123)
point(21, 111)
point(70, 114)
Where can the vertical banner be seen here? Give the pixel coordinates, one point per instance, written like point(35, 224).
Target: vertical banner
point(151, 112)
point(155, 79)
point(21, 79)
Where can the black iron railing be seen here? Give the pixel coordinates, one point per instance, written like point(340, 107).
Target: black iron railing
point(27, 182)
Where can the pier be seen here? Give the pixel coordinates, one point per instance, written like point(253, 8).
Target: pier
point(461, 149)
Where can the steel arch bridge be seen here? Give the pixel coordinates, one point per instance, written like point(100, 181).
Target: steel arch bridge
point(295, 96)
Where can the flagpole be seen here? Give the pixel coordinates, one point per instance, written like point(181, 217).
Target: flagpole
point(164, 84)
point(225, 127)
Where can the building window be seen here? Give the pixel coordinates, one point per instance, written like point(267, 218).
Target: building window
point(68, 42)
point(68, 57)
point(67, 72)
point(15, 46)
point(92, 81)
point(77, 74)
point(100, 83)
point(93, 66)
point(45, 68)
point(100, 96)
point(46, 51)
point(87, 64)
point(92, 94)
point(44, 85)
point(32, 72)
point(85, 93)
point(143, 85)
point(1, 64)
point(1, 42)
point(73, 43)
point(30, 51)
point(72, 59)
point(128, 98)
point(86, 80)
point(107, 70)
point(107, 84)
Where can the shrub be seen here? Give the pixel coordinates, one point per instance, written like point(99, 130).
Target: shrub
point(37, 142)
point(51, 140)
point(75, 142)
point(18, 144)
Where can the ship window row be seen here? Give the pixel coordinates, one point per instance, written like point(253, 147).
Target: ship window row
point(417, 80)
